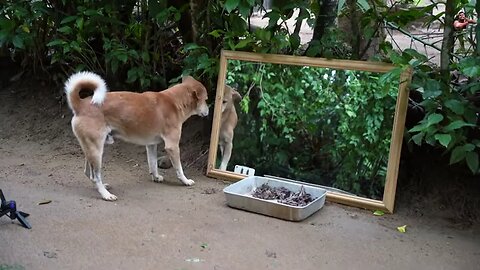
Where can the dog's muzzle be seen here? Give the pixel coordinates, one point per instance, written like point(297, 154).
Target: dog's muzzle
point(203, 111)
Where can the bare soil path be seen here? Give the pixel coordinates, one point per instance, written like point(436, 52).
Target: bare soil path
point(170, 226)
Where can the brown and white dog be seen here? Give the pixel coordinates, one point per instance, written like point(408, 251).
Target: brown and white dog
point(140, 118)
point(228, 124)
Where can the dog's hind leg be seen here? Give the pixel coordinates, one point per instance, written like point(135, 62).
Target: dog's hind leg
point(153, 162)
point(88, 170)
point(226, 154)
point(173, 150)
point(94, 157)
point(93, 149)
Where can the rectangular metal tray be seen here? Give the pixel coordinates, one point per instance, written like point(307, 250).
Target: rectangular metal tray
point(239, 195)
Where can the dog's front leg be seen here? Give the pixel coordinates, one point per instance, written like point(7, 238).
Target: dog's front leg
point(173, 151)
point(226, 153)
point(153, 162)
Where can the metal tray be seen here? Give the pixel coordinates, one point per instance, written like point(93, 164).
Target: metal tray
point(239, 195)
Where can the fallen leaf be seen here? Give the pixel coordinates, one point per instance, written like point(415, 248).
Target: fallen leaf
point(45, 202)
point(378, 213)
point(402, 229)
point(204, 245)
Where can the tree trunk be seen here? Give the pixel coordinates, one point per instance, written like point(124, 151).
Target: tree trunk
point(185, 25)
point(447, 44)
point(354, 28)
point(325, 18)
point(477, 30)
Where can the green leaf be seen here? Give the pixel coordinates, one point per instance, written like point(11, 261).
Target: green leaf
point(470, 66)
point(193, 46)
point(231, 5)
point(472, 161)
point(389, 76)
point(216, 33)
point(79, 23)
point(378, 213)
point(415, 54)
point(263, 34)
point(341, 4)
point(122, 57)
point(243, 43)
point(92, 12)
point(456, 125)
point(444, 139)
point(68, 19)
point(432, 89)
point(396, 58)
point(145, 56)
point(469, 147)
point(18, 42)
point(363, 4)
point(294, 41)
point(244, 10)
point(239, 25)
point(457, 155)
point(55, 42)
point(65, 29)
point(273, 16)
point(7, 25)
point(417, 138)
point(456, 106)
point(434, 118)
point(132, 75)
point(314, 48)
point(420, 127)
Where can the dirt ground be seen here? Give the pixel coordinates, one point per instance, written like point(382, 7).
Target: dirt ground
point(170, 226)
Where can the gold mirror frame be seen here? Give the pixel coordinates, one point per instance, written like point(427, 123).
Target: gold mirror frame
point(388, 200)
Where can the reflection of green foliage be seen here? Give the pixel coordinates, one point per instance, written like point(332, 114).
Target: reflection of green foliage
point(320, 125)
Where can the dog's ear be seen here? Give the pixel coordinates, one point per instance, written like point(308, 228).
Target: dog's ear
point(200, 92)
point(187, 78)
point(236, 96)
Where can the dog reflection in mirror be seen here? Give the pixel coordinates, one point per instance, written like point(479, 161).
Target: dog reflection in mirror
point(228, 124)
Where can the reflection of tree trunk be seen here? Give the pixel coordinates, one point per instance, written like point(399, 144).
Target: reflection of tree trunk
point(325, 18)
point(447, 44)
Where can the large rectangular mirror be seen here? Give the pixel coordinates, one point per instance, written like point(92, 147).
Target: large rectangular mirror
point(334, 123)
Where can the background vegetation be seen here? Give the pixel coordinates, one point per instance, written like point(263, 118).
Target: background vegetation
point(149, 43)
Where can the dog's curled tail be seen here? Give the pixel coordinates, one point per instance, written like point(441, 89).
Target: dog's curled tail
point(84, 80)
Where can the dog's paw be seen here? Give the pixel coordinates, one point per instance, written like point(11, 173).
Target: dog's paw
point(110, 197)
point(189, 182)
point(107, 186)
point(157, 179)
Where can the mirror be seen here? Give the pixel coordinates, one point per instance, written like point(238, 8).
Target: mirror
point(334, 123)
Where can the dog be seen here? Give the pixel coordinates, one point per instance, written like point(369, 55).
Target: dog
point(228, 123)
point(140, 118)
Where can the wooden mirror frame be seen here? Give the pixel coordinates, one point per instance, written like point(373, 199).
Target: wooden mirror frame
point(387, 203)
